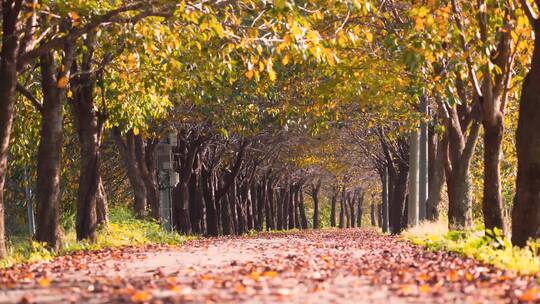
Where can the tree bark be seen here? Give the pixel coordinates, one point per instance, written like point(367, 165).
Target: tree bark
point(360, 203)
point(526, 209)
point(333, 206)
point(50, 148)
point(8, 95)
point(436, 174)
point(127, 151)
point(384, 180)
point(291, 204)
point(89, 122)
point(302, 207)
point(342, 208)
point(315, 188)
point(414, 157)
point(212, 225)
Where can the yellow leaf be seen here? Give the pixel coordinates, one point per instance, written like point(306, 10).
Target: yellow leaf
point(530, 295)
point(44, 282)
point(369, 36)
point(141, 296)
point(62, 82)
point(135, 131)
point(270, 274)
point(249, 74)
point(285, 60)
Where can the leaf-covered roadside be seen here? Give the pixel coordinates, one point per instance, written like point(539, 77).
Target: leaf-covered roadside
point(349, 265)
point(485, 246)
point(122, 230)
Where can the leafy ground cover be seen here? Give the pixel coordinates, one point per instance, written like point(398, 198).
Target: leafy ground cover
point(488, 247)
point(325, 266)
point(123, 230)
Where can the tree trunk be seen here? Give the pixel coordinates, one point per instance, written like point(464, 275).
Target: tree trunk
point(196, 208)
point(257, 215)
point(89, 122)
point(352, 201)
point(333, 207)
point(50, 150)
point(302, 207)
point(280, 202)
point(147, 162)
point(291, 204)
point(315, 195)
point(127, 151)
point(436, 174)
point(212, 224)
point(342, 209)
point(102, 206)
point(492, 202)
point(414, 157)
point(261, 205)
point(297, 208)
point(360, 202)
point(384, 211)
point(457, 166)
point(8, 96)
point(373, 220)
point(423, 162)
point(397, 200)
point(526, 209)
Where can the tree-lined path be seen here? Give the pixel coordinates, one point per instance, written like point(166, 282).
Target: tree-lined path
point(328, 266)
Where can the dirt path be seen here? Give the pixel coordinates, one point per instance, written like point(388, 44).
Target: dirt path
point(337, 266)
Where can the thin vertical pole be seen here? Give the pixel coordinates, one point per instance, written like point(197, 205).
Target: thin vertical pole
point(423, 166)
point(413, 179)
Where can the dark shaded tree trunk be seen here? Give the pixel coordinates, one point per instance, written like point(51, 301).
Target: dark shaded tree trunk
point(333, 206)
point(342, 208)
point(196, 207)
point(302, 208)
point(226, 216)
point(352, 199)
point(261, 205)
point(397, 199)
point(526, 209)
point(257, 214)
point(360, 203)
point(127, 151)
point(297, 224)
point(291, 212)
point(212, 224)
point(315, 188)
point(280, 203)
point(146, 159)
point(8, 96)
point(89, 122)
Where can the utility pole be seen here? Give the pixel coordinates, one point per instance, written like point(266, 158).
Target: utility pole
point(413, 178)
point(29, 206)
point(423, 166)
point(167, 179)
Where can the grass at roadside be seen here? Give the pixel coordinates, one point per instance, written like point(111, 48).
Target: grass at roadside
point(123, 230)
point(492, 249)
